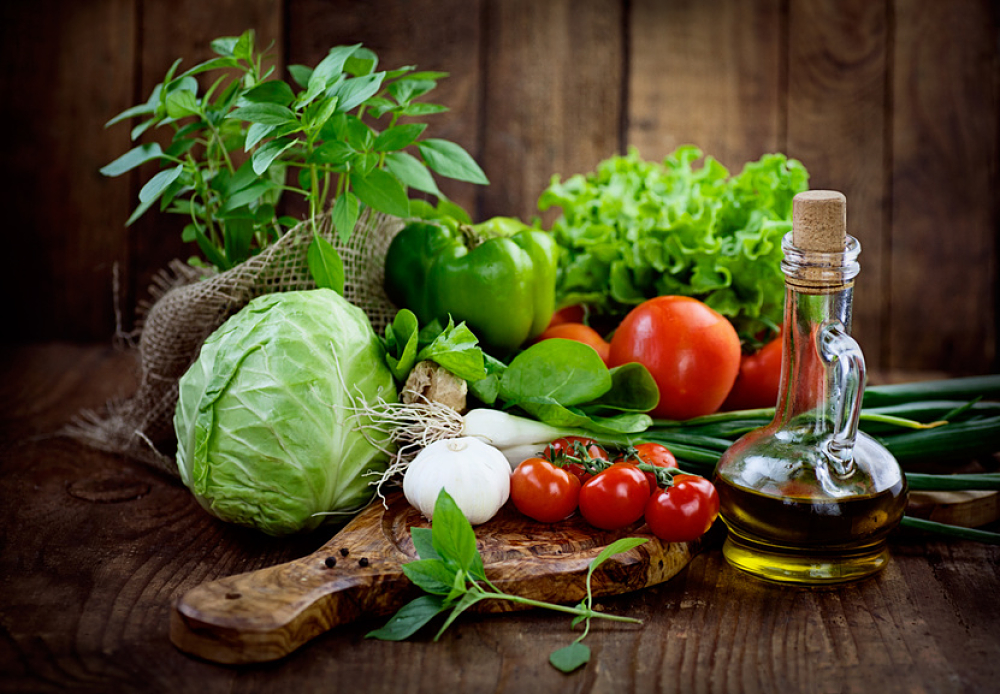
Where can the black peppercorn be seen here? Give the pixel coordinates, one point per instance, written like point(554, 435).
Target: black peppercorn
point(344, 551)
point(330, 562)
point(363, 562)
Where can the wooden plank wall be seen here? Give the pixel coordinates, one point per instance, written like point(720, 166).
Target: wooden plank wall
point(894, 102)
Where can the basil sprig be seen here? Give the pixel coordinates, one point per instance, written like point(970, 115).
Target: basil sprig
point(341, 136)
point(450, 571)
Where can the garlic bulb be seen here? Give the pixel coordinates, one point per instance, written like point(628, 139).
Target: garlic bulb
point(474, 473)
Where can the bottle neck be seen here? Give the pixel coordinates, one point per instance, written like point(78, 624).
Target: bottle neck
point(822, 370)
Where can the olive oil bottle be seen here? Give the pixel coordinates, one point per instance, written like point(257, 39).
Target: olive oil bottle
point(809, 499)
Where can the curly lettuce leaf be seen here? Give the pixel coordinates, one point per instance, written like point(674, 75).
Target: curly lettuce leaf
point(634, 229)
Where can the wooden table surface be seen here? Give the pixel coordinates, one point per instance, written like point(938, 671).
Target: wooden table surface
point(95, 548)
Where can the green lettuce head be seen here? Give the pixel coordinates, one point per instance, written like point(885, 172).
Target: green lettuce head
point(264, 430)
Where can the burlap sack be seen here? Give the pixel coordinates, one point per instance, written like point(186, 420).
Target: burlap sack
point(189, 304)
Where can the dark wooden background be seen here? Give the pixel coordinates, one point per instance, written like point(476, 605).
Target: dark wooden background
point(894, 102)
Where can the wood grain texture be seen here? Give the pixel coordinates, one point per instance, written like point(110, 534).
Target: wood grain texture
point(430, 34)
point(707, 74)
point(838, 55)
point(267, 614)
point(944, 124)
point(183, 29)
point(87, 588)
point(554, 76)
point(66, 68)
point(893, 102)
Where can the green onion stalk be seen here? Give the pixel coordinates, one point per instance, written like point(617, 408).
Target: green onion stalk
point(947, 423)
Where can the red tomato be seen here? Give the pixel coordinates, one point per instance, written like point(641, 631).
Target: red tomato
point(614, 498)
point(542, 491)
point(683, 512)
point(580, 333)
point(692, 351)
point(654, 454)
point(568, 314)
point(568, 447)
point(759, 379)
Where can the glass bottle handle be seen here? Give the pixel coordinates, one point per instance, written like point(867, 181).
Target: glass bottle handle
point(843, 355)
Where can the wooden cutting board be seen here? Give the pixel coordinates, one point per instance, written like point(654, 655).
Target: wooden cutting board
point(267, 614)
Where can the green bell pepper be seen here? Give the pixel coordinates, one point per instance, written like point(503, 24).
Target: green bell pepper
point(499, 277)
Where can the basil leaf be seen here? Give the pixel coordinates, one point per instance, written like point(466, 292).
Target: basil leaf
point(265, 155)
point(181, 104)
point(418, 109)
point(300, 74)
point(345, 215)
point(352, 92)
point(619, 546)
point(405, 90)
point(237, 238)
point(381, 191)
point(410, 618)
point(412, 172)
point(327, 72)
point(449, 159)
point(571, 657)
point(452, 534)
point(362, 62)
point(325, 265)
point(333, 152)
point(423, 543)
point(430, 575)
point(213, 64)
point(158, 183)
point(272, 92)
point(265, 114)
point(132, 158)
point(247, 195)
point(398, 137)
point(224, 46)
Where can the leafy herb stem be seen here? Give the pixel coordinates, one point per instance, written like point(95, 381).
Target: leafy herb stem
point(450, 570)
point(324, 124)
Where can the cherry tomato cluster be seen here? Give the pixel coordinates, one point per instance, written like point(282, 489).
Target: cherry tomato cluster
point(612, 492)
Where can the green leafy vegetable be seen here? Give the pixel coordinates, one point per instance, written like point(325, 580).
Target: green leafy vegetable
point(319, 142)
point(454, 347)
point(450, 570)
point(634, 230)
point(264, 436)
point(565, 384)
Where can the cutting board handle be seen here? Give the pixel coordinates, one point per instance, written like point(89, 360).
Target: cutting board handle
point(266, 614)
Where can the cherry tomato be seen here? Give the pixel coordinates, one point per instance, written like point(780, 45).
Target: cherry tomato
point(759, 379)
point(654, 454)
point(692, 351)
point(683, 512)
point(567, 448)
point(614, 498)
point(580, 333)
point(544, 492)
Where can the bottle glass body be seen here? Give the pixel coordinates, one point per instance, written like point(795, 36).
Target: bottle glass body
point(808, 498)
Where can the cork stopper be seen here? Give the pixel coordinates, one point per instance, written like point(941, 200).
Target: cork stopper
point(819, 221)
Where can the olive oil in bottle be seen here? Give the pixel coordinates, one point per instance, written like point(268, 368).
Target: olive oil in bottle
point(809, 499)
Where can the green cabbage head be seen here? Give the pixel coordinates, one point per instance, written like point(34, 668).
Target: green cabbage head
point(264, 436)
